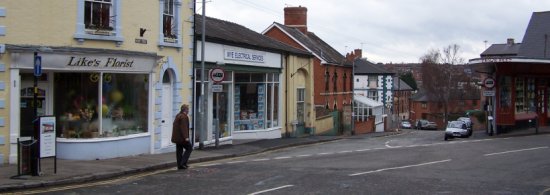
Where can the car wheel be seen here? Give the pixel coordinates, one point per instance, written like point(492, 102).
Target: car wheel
point(446, 137)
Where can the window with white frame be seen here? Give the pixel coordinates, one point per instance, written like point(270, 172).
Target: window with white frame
point(373, 81)
point(98, 15)
point(373, 94)
point(98, 20)
point(300, 104)
point(170, 23)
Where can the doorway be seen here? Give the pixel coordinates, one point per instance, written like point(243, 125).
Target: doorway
point(167, 105)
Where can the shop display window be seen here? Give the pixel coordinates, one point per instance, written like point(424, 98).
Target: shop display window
point(505, 93)
point(90, 105)
point(256, 101)
point(520, 95)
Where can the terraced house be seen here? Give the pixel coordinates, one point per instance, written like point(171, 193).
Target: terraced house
point(112, 75)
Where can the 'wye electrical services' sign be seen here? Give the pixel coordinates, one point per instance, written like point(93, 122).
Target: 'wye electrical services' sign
point(244, 56)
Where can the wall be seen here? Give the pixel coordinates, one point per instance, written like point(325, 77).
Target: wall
point(298, 75)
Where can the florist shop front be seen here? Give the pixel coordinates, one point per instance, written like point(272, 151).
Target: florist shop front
point(101, 100)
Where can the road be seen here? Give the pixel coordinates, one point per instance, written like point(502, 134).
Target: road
point(418, 162)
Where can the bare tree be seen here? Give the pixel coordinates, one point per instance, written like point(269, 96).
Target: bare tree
point(441, 80)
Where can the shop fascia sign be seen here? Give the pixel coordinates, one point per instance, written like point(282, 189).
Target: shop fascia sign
point(244, 56)
point(88, 62)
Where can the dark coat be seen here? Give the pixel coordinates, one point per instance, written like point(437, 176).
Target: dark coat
point(180, 129)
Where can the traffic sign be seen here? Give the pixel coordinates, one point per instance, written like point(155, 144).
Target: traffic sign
point(217, 75)
point(37, 66)
point(217, 88)
point(489, 82)
point(489, 93)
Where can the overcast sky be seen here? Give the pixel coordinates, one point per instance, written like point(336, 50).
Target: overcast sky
point(393, 30)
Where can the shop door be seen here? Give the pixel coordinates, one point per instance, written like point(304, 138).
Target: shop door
point(221, 111)
point(27, 105)
point(166, 121)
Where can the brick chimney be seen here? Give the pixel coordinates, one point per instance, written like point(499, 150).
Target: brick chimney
point(358, 53)
point(510, 41)
point(296, 17)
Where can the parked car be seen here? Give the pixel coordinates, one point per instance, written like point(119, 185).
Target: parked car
point(425, 125)
point(468, 122)
point(406, 125)
point(456, 129)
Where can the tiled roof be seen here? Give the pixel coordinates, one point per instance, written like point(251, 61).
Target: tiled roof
point(502, 50)
point(401, 85)
point(315, 45)
point(362, 66)
point(234, 34)
point(537, 37)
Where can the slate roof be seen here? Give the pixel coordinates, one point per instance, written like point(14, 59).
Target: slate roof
point(315, 44)
point(537, 37)
point(502, 50)
point(234, 34)
point(364, 67)
point(401, 85)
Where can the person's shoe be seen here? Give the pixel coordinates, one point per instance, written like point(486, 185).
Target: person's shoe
point(182, 167)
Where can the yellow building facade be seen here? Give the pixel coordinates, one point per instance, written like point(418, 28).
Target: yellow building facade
point(112, 75)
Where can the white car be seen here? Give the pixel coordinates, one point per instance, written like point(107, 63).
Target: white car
point(456, 129)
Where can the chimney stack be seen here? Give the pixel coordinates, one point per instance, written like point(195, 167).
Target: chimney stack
point(296, 17)
point(510, 41)
point(358, 53)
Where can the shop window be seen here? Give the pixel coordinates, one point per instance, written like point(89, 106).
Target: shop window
point(530, 93)
point(505, 88)
point(256, 102)
point(520, 94)
point(98, 19)
point(91, 105)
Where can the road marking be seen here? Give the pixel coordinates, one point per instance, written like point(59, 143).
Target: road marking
point(235, 162)
point(282, 157)
point(261, 159)
point(211, 164)
point(362, 150)
point(345, 151)
point(402, 167)
point(544, 191)
point(304, 155)
point(325, 153)
point(272, 189)
point(511, 151)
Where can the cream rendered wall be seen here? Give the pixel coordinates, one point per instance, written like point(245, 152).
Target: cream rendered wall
point(298, 74)
point(53, 23)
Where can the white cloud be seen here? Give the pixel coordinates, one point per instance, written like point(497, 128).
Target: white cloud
point(393, 30)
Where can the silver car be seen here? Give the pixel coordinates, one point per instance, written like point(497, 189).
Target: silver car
point(456, 129)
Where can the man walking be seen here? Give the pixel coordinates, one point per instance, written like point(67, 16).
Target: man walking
point(180, 136)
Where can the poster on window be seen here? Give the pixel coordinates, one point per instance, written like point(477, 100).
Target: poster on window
point(47, 136)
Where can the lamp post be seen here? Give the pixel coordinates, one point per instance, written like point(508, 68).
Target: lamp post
point(35, 162)
point(202, 101)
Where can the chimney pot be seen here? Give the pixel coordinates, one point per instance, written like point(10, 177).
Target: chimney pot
point(510, 41)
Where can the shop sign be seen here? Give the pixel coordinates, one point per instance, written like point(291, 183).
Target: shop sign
point(217, 75)
point(489, 93)
point(244, 56)
point(489, 83)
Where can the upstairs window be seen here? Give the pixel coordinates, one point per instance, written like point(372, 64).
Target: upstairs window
point(98, 20)
point(326, 80)
point(373, 82)
point(334, 82)
point(168, 22)
point(344, 81)
point(98, 15)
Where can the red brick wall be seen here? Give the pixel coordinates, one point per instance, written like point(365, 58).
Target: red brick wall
point(277, 34)
point(362, 127)
point(341, 96)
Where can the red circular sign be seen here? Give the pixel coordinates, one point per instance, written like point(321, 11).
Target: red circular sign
point(217, 75)
point(489, 82)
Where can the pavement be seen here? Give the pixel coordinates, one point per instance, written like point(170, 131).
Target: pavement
point(79, 171)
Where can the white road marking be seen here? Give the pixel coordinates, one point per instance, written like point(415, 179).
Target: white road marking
point(345, 151)
point(282, 157)
point(261, 159)
point(272, 189)
point(362, 150)
point(511, 151)
point(325, 153)
point(209, 165)
point(235, 162)
point(304, 155)
point(402, 167)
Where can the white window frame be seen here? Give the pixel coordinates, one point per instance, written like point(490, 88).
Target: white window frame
point(300, 99)
point(167, 41)
point(85, 34)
